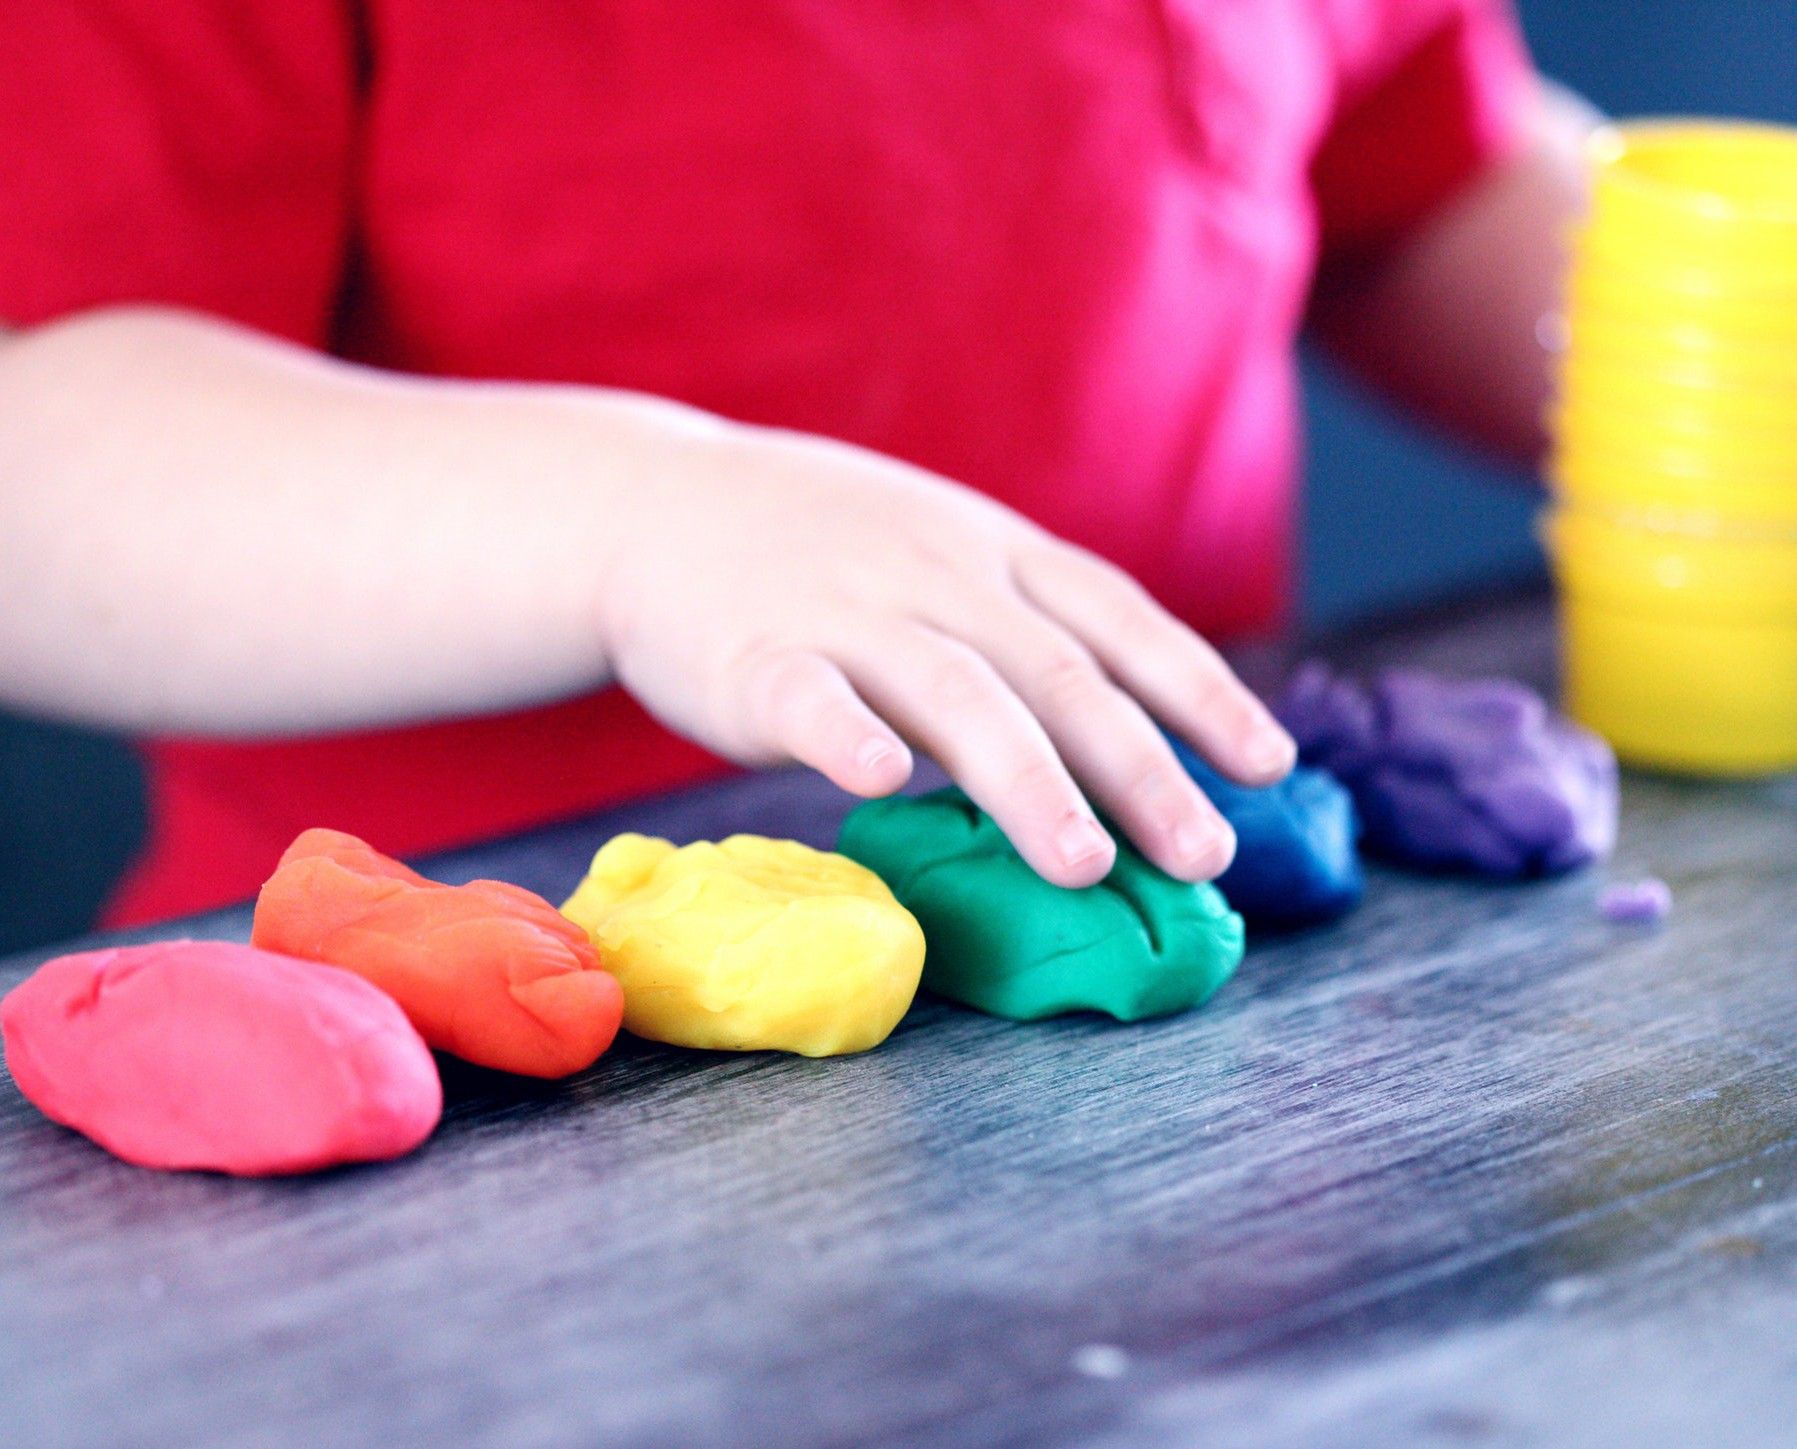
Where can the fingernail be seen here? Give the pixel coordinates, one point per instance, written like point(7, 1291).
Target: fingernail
point(1080, 839)
point(1272, 749)
point(1224, 848)
point(874, 752)
point(1204, 852)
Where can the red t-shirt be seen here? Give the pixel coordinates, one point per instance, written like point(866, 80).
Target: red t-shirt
point(1055, 249)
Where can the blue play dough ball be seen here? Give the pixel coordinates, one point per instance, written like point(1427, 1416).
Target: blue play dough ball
point(1295, 861)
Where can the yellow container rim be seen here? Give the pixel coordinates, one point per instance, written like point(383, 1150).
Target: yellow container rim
point(1705, 169)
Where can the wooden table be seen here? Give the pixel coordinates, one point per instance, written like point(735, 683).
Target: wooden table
point(1473, 1168)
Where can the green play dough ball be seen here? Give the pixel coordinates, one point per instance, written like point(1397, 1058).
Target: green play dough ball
point(1000, 938)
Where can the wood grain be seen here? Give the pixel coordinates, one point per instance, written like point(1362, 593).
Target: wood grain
point(1474, 1167)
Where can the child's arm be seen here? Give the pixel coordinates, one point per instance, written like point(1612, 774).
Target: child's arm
point(203, 530)
point(1456, 319)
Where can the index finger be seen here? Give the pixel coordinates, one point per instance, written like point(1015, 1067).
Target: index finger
point(1182, 680)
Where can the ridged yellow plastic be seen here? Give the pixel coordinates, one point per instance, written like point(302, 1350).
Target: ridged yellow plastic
point(1675, 464)
point(1681, 651)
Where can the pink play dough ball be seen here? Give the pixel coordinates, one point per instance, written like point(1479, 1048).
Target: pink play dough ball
point(208, 1054)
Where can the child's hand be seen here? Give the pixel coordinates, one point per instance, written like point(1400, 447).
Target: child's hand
point(209, 532)
point(781, 597)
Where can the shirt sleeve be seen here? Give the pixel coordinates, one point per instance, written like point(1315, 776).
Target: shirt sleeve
point(187, 152)
point(1430, 93)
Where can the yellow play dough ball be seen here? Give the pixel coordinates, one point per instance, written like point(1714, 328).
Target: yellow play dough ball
point(750, 944)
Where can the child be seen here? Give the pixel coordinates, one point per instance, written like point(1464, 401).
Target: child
point(424, 419)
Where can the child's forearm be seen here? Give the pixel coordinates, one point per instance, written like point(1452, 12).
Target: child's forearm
point(203, 530)
point(1456, 320)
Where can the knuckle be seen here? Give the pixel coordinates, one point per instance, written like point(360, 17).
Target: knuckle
point(959, 680)
point(1151, 780)
point(1207, 684)
point(778, 674)
point(771, 687)
point(1039, 785)
point(1068, 679)
point(840, 726)
point(929, 557)
point(767, 675)
point(1121, 589)
point(1128, 612)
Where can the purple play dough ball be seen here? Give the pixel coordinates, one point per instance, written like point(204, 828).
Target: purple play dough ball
point(1475, 775)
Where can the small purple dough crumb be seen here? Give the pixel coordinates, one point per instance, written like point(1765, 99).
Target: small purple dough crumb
point(1645, 902)
point(1477, 775)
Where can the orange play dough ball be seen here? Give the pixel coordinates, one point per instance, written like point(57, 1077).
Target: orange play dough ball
point(486, 971)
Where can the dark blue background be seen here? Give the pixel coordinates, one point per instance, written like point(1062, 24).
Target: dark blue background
point(1390, 517)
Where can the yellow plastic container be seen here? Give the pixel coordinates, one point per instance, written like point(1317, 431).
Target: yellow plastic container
point(1598, 384)
point(1725, 450)
point(1683, 356)
point(1680, 650)
point(1621, 442)
point(1706, 168)
point(1727, 184)
point(1664, 190)
point(1690, 270)
point(1675, 542)
point(1674, 489)
point(1605, 291)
